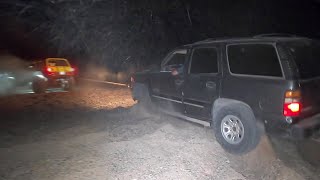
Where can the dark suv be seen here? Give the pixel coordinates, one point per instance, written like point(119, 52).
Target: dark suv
point(238, 84)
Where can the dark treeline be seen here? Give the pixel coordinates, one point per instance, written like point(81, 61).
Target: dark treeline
point(114, 32)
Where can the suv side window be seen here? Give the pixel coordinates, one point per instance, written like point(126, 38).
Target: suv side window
point(175, 61)
point(254, 59)
point(204, 60)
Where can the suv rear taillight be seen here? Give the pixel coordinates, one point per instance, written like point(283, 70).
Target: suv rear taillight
point(292, 103)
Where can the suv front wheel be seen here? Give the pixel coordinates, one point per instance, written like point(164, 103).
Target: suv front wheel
point(236, 130)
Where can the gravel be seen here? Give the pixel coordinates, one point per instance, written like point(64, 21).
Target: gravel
point(98, 132)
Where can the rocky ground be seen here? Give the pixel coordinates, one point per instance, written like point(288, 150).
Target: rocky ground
point(98, 132)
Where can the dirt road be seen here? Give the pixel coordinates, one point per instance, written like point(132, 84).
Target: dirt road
point(99, 133)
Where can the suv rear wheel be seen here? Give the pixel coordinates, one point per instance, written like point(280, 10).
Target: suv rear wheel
point(236, 130)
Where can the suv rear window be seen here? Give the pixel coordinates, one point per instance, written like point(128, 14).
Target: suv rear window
point(306, 55)
point(254, 59)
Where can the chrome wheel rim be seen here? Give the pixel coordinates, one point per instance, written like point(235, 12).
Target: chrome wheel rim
point(232, 129)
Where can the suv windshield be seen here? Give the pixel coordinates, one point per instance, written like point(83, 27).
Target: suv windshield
point(306, 55)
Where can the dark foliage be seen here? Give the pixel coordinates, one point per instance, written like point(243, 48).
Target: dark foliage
point(114, 32)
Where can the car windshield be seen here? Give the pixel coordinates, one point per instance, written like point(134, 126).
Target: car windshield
point(58, 62)
point(306, 55)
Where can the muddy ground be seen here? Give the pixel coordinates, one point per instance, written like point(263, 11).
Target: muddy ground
point(98, 132)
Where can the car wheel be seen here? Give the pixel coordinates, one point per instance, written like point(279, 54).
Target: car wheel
point(69, 85)
point(236, 130)
point(39, 86)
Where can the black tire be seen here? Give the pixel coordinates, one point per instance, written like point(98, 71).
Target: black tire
point(70, 85)
point(144, 100)
point(39, 86)
point(251, 135)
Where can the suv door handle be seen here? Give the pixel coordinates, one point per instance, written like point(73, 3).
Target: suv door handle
point(211, 85)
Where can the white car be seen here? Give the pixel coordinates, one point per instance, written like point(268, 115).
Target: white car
point(6, 83)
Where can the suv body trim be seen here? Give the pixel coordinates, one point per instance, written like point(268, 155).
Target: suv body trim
point(222, 102)
point(194, 120)
point(180, 102)
point(168, 99)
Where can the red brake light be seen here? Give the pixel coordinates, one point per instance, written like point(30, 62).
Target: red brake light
point(292, 105)
point(292, 109)
point(48, 71)
point(73, 71)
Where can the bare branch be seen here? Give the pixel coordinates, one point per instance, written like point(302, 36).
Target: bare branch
point(187, 8)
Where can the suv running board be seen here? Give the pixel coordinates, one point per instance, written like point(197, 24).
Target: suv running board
point(175, 114)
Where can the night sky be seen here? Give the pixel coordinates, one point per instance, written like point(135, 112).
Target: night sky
point(107, 32)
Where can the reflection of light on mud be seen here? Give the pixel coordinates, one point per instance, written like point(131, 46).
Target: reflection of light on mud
point(105, 74)
point(96, 72)
point(87, 97)
point(106, 99)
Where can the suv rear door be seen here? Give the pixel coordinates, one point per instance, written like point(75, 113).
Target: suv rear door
point(202, 82)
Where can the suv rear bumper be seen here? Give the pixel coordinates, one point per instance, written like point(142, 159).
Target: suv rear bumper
point(306, 127)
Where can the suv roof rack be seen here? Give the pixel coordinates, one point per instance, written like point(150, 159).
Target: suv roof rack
point(275, 35)
point(213, 39)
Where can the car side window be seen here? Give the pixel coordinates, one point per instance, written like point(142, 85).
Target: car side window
point(204, 60)
point(254, 59)
point(175, 60)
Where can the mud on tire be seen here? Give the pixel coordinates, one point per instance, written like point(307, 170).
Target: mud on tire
point(250, 136)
